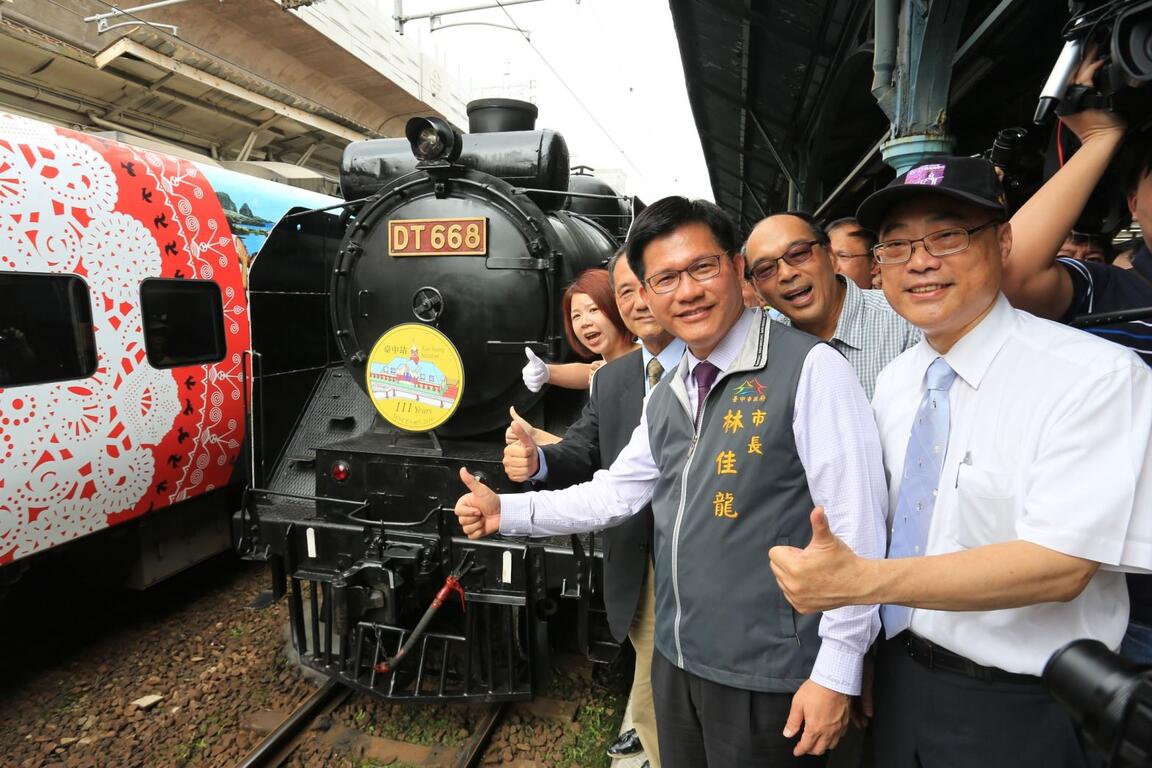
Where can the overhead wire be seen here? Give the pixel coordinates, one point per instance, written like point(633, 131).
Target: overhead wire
point(571, 92)
point(527, 38)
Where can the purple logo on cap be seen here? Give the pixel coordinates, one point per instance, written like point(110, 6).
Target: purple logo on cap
point(926, 174)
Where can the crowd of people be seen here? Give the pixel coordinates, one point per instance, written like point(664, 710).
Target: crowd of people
point(861, 471)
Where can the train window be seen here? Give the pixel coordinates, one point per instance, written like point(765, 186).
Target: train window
point(45, 329)
point(183, 322)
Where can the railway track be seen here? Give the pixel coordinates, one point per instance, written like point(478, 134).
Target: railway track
point(215, 669)
point(283, 740)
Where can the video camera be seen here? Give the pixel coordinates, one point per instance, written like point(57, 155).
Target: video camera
point(1122, 31)
point(1020, 163)
point(1108, 697)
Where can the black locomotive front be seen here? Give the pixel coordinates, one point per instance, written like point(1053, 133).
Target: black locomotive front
point(465, 235)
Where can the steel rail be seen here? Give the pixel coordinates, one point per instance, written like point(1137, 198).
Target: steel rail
point(276, 746)
point(470, 752)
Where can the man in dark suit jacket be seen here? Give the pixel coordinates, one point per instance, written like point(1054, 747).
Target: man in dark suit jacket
point(613, 411)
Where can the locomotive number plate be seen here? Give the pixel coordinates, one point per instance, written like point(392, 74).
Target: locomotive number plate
point(438, 237)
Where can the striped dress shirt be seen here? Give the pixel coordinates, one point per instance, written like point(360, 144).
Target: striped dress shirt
point(869, 333)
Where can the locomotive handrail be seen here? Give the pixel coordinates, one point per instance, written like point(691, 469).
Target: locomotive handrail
point(569, 193)
point(302, 497)
point(438, 508)
point(398, 189)
point(345, 204)
point(307, 369)
point(256, 475)
point(258, 368)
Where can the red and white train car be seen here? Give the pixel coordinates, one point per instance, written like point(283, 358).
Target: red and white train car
point(124, 332)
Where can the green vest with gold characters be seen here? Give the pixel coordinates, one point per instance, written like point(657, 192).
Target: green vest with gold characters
point(725, 496)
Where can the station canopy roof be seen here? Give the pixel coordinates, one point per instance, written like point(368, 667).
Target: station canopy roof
point(242, 80)
point(780, 90)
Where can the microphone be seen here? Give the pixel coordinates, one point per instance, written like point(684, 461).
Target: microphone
point(1057, 83)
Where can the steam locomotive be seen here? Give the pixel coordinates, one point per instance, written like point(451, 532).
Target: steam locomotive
point(395, 328)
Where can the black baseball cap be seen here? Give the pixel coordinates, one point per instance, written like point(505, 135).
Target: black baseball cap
point(970, 179)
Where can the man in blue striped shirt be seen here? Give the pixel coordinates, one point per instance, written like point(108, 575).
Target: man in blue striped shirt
point(791, 264)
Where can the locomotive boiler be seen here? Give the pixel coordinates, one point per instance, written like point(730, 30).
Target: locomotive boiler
point(390, 337)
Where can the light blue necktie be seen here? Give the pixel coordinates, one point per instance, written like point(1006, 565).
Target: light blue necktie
point(922, 463)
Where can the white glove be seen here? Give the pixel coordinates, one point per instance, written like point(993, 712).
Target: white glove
point(535, 372)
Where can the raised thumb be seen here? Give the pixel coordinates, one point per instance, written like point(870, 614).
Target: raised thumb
point(518, 420)
point(821, 533)
point(528, 353)
point(521, 434)
point(474, 485)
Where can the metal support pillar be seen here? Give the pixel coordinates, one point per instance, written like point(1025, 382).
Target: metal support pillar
point(916, 99)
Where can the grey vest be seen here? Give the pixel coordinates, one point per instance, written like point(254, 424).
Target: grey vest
point(724, 497)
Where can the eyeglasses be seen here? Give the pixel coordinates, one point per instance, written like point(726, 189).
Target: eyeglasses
point(849, 256)
point(942, 243)
point(766, 269)
point(700, 270)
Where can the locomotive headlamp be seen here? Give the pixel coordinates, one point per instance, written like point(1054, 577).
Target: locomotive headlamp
point(428, 143)
point(433, 139)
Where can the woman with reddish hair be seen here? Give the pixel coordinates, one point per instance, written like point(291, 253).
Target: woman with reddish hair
point(594, 329)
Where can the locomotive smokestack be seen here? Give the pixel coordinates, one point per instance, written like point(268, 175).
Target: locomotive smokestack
point(494, 115)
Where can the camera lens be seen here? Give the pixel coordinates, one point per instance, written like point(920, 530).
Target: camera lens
point(1005, 149)
point(1132, 42)
point(1095, 685)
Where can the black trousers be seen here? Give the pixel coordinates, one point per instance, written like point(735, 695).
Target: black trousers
point(702, 724)
point(929, 718)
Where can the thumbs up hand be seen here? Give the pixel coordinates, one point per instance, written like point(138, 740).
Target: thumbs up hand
point(535, 371)
point(478, 510)
point(823, 575)
point(510, 435)
point(521, 461)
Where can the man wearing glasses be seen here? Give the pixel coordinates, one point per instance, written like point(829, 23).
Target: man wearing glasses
point(1016, 450)
point(792, 264)
point(852, 246)
point(757, 423)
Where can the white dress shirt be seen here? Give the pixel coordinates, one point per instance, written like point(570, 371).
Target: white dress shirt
point(837, 443)
point(1048, 444)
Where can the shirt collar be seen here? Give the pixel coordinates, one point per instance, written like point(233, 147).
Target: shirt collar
point(729, 347)
point(669, 357)
point(849, 328)
point(973, 354)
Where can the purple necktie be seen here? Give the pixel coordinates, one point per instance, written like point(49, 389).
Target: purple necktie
point(705, 374)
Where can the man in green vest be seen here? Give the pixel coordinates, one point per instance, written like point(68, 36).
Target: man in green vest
point(758, 423)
